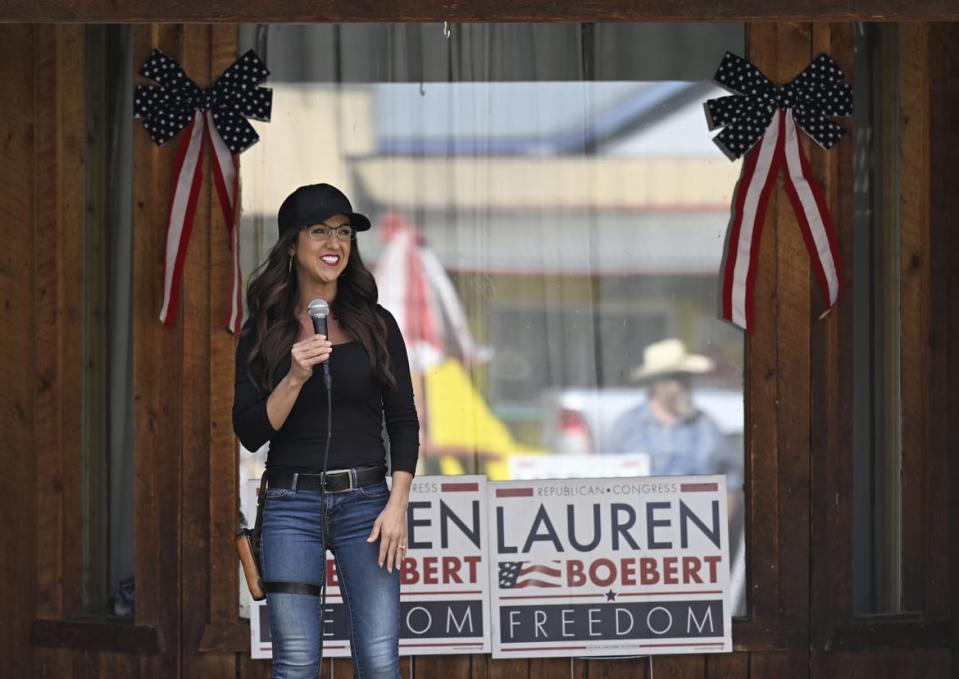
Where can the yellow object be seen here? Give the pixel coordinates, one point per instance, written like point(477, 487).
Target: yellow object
point(460, 420)
point(450, 466)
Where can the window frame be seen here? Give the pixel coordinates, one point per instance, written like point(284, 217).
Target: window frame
point(924, 622)
point(797, 467)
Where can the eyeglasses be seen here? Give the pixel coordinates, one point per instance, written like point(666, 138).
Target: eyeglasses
point(323, 231)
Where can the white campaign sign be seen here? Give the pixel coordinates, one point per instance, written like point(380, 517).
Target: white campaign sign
point(614, 566)
point(444, 591)
point(577, 466)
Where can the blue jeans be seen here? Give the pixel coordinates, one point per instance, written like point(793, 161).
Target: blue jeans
point(293, 549)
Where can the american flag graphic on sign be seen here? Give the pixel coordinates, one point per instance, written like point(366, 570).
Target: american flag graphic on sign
point(518, 574)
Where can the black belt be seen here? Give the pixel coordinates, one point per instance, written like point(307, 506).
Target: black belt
point(333, 481)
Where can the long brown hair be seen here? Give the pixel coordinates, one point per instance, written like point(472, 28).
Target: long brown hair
point(271, 300)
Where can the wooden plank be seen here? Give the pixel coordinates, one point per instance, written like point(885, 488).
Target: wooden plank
point(442, 666)
point(864, 636)
point(119, 665)
point(679, 666)
point(479, 666)
point(948, 37)
point(831, 383)
point(49, 388)
point(225, 637)
point(195, 396)
point(257, 669)
point(84, 664)
point(832, 665)
point(338, 666)
point(92, 473)
point(223, 454)
point(727, 666)
point(18, 285)
point(554, 668)
point(883, 664)
point(914, 308)
point(501, 669)
point(792, 665)
point(620, 668)
point(941, 474)
point(290, 11)
point(49, 662)
point(71, 223)
point(943, 397)
point(773, 635)
point(760, 382)
point(795, 316)
point(146, 196)
point(156, 383)
point(60, 217)
point(97, 634)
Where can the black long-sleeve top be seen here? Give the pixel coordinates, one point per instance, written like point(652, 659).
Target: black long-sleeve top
point(361, 405)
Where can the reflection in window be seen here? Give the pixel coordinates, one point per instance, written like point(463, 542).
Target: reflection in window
point(877, 547)
point(556, 191)
point(107, 333)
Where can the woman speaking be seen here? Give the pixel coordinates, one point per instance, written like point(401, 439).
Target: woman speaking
point(326, 486)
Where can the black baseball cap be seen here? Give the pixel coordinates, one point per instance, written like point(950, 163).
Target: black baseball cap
point(316, 203)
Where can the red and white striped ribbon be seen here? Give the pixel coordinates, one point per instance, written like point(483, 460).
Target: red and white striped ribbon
point(778, 148)
point(187, 178)
point(226, 175)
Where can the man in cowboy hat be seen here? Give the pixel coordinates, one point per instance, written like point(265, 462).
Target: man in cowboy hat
point(678, 437)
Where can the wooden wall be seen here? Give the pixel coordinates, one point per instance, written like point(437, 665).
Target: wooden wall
point(798, 390)
point(332, 11)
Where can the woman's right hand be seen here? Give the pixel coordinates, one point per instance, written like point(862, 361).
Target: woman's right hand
point(306, 354)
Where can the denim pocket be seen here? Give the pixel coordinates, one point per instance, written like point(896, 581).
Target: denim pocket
point(374, 491)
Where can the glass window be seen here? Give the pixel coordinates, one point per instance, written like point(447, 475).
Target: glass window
point(569, 210)
point(877, 547)
point(107, 337)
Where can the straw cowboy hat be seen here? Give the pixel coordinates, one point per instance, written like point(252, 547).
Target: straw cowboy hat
point(668, 357)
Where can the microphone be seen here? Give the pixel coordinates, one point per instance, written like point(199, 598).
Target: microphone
point(319, 310)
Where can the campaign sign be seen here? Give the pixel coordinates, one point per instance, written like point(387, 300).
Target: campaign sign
point(577, 466)
point(615, 566)
point(444, 578)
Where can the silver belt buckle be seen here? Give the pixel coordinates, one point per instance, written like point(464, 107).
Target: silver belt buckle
point(348, 472)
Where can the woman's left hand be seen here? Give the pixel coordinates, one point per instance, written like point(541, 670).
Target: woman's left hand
point(390, 528)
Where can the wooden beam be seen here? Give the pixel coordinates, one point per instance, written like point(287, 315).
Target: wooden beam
point(870, 636)
point(18, 284)
point(768, 636)
point(794, 318)
point(762, 445)
point(157, 387)
point(223, 458)
point(225, 638)
point(728, 665)
point(831, 383)
point(914, 349)
point(193, 322)
point(98, 635)
point(59, 155)
point(778, 665)
point(943, 339)
point(330, 11)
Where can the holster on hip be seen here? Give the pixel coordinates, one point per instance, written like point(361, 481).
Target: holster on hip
point(248, 547)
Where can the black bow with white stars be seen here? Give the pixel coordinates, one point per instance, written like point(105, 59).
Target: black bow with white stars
point(169, 106)
point(817, 92)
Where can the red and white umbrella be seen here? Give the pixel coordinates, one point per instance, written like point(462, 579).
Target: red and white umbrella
point(414, 286)
point(457, 426)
